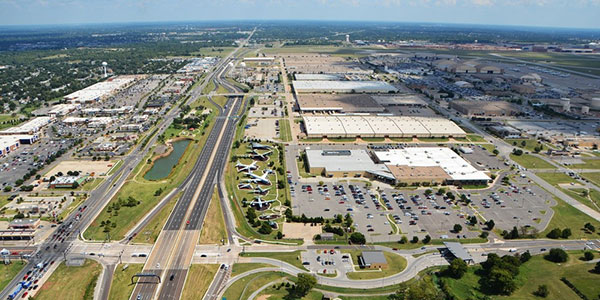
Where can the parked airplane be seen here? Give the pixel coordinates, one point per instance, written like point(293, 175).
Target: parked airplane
point(260, 156)
point(260, 203)
point(246, 168)
point(259, 190)
point(258, 179)
point(245, 186)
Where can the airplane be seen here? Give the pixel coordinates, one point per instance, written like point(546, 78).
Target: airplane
point(260, 156)
point(245, 186)
point(260, 203)
point(259, 179)
point(245, 168)
point(259, 190)
point(255, 146)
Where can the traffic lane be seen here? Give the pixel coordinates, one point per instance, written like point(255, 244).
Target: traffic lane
point(173, 284)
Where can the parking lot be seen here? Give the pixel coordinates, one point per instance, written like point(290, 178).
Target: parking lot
point(327, 261)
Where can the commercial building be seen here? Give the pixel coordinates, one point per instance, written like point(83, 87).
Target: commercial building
point(467, 67)
point(348, 103)
point(372, 260)
point(333, 77)
point(32, 126)
point(380, 126)
point(332, 86)
point(10, 143)
point(24, 224)
point(99, 90)
point(485, 108)
point(457, 251)
point(67, 182)
point(506, 132)
point(431, 161)
point(345, 163)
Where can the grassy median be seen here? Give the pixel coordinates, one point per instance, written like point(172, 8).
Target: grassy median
point(71, 282)
point(198, 280)
point(121, 287)
point(213, 228)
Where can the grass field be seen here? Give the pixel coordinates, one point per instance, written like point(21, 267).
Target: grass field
point(475, 138)
point(292, 258)
point(7, 121)
point(149, 233)
point(588, 164)
point(531, 162)
point(593, 177)
point(567, 216)
point(285, 133)
point(396, 264)
point(279, 292)
point(145, 191)
point(591, 200)
point(535, 272)
point(210, 86)
point(239, 268)
point(198, 281)
point(71, 282)
point(556, 178)
point(213, 228)
point(213, 51)
point(530, 144)
point(121, 287)
point(243, 287)
point(8, 272)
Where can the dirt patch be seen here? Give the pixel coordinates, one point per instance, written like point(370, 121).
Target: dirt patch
point(301, 231)
point(99, 168)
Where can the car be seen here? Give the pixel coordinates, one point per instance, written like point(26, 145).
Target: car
point(305, 263)
point(202, 255)
point(24, 295)
point(139, 297)
point(187, 222)
point(543, 249)
point(327, 209)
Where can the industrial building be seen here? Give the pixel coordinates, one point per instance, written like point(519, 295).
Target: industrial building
point(348, 103)
point(485, 108)
point(467, 67)
point(380, 126)
point(332, 86)
point(345, 163)
point(32, 126)
point(431, 161)
point(333, 77)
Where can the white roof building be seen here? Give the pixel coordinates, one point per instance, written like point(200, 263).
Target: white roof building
point(30, 127)
point(333, 86)
point(453, 164)
point(96, 91)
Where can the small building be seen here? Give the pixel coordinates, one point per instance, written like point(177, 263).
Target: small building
point(24, 224)
point(372, 260)
point(67, 182)
point(457, 251)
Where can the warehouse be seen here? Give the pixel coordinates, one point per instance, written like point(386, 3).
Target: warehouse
point(345, 163)
point(332, 86)
point(32, 126)
point(99, 90)
point(458, 170)
point(348, 103)
point(318, 77)
point(400, 100)
point(485, 108)
point(380, 126)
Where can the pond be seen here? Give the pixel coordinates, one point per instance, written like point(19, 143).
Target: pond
point(162, 167)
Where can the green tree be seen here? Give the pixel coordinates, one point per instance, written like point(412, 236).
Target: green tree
point(557, 255)
point(358, 238)
point(495, 152)
point(305, 283)
point(542, 291)
point(596, 269)
point(566, 233)
point(554, 233)
point(588, 255)
point(457, 268)
point(501, 281)
point(589, 227)
point(490, 224)
point(457, 228)
point(403, 240)
point(426, 239)
point(265, 228)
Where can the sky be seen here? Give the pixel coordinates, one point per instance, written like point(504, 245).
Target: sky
point(543, 13)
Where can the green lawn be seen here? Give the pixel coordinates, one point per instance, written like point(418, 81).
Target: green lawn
point(475, 138)
point(531, 162)
point(279, 292)
point(149, 233)
point(7, 121)
point(8, 272)
point(198, 280)
point(589, 163)
point(209, 87)
point(593, 177)
point(535, 272)
point(239, 268)
point(567, 216)
point(213, 51)
point(121, 287)
point(71, 282)
point(213, 228)
point(285, 133)
point(589, 200)
point(243, 287)
point(556, 178)
point(396, 264)
point(292, 258)
point(530, 144)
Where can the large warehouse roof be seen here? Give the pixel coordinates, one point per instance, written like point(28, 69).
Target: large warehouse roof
point(302, 76)
point(343, 86)
point(96, 91)
point(453, 164)
point(343, 161)
point(31, 126)
point(338, 103)
point(380, 126)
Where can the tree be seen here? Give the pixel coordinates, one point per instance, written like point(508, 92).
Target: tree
point(358, 238)
point(589, 227)
point(542, 291)
point(596, 269)
point(279, 235)
point(554, 233)
point(457, 268)
point(348, 220)
point(265, 228)
point(588, 255)
point(457, 228)
point(426, 239)
point(403, 240)
point(415, 239)
point(557, 255)
point(495, 152)
point(566, 233)
point(305, 283)
point(525, 256)
point(501, 281)
point(490, 224)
